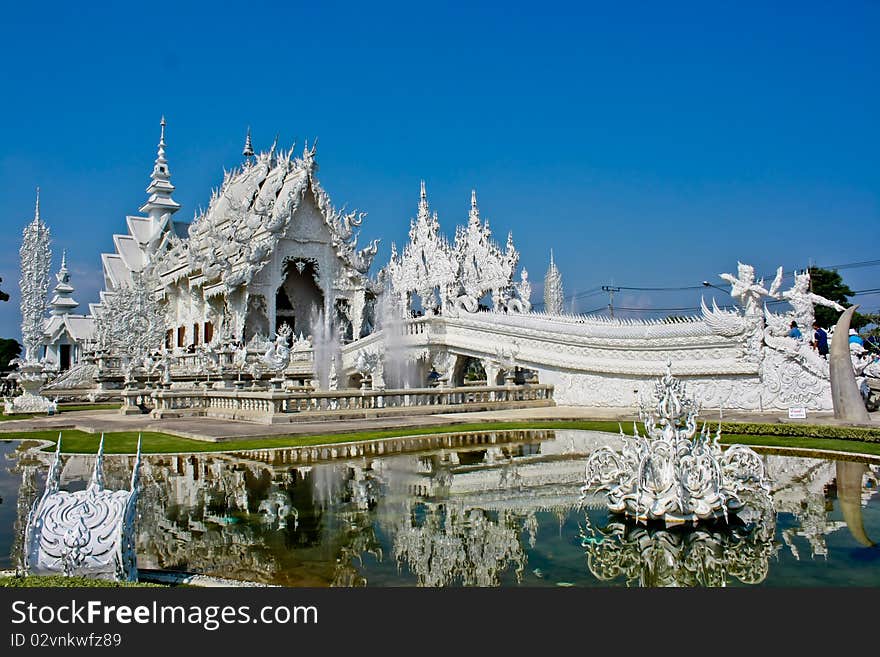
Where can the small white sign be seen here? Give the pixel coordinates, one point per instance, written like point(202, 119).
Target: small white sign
point(797, 413)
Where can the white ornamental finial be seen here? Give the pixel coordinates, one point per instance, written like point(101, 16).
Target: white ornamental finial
point(423, 201)
point(63, 261)
point(248, 146)
point(37, 206)
point(475, 212)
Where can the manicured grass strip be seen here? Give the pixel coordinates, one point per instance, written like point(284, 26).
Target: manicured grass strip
point(40, 581)
point(78, 442)
point(88, 407)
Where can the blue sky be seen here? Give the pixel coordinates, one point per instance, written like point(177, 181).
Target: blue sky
point(648, 144)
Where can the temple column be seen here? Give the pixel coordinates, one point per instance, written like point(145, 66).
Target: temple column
point(358, 301)
point(492, 369)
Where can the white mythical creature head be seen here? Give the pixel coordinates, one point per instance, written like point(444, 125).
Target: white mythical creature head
point(746, 272)
point(802, 281)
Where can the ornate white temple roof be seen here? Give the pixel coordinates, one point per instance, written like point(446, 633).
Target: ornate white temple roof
point(227, 244)
point(250, 212)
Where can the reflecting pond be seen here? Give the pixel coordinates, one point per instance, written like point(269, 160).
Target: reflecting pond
point(484, 509)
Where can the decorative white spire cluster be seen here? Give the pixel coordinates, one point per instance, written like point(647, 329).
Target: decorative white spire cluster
point(34, 284)
point(160, 202)
point(553, 297)
point(452, 275)
point(62, 303)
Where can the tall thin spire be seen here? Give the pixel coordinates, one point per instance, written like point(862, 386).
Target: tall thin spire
point(474, 216)
point(160, 188)
point(248, 146)
point(37, 206)
point(423, 200)
point(553, 295)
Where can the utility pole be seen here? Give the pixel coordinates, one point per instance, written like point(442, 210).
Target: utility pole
point(610, 290)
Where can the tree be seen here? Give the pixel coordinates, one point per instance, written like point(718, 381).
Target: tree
point(9, 349)
point(829, 284)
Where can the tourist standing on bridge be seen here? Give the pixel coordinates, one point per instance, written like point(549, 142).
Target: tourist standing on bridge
point(820, 340)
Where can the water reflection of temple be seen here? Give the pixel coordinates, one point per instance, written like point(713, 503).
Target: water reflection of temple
point(467, 513)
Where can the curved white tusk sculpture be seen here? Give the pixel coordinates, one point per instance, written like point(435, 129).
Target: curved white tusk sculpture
point(848, 403)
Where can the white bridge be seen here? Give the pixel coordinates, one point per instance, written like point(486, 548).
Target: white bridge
point(730, 360)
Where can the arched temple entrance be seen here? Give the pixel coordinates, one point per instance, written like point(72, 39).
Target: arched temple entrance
point(299, 298)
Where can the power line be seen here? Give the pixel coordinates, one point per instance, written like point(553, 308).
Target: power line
point(610, 289)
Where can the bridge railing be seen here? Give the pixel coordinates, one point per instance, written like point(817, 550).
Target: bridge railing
point(263, 404)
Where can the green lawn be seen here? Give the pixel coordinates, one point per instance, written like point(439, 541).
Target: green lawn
point(126, 442)
point(35, 581)
point(61, 409)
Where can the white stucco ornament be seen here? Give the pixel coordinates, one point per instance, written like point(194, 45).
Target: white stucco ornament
point(745, 289)
point(35, 258)
point(802, 301)
point(89, 533)
point(672, 474)
point(277, 356)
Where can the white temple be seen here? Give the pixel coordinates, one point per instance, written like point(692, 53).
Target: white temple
point(66, 335)
point(270, 249)
point(271, 256)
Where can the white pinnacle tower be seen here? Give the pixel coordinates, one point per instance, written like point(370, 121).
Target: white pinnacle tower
point(553, 296)
point(62, 303)
point(160, 202)
point(34, 283)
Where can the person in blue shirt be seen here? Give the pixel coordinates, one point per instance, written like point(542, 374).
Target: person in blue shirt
point(820, 340)
point(854, 337)
point(795, 332)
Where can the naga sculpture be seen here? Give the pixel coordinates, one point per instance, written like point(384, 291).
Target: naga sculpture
point(85, 533)
point(672, 475)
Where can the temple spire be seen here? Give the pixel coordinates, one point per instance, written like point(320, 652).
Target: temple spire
point(423, 200)
point(160, 189)
point(248, 146)
point(62, 303)
point(475, 212)
point(37, 206)
point(553, 295)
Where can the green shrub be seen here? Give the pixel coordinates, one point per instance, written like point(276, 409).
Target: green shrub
point(801, 430)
